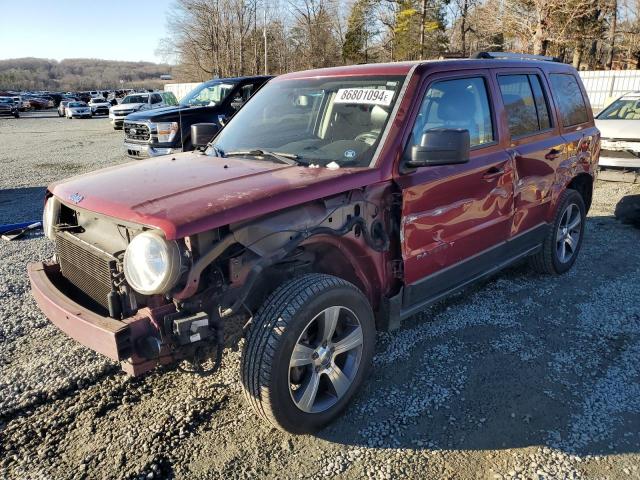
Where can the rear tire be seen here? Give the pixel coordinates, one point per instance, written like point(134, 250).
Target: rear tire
point(303, 392)
point(564, 239)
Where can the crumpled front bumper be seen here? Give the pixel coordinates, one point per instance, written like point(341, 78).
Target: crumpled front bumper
point(116, 339)
point(619, 153)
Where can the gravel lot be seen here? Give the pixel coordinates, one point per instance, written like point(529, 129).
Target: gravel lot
point(524, 376)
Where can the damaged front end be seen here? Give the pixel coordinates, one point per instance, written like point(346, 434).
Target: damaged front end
point(127, 293)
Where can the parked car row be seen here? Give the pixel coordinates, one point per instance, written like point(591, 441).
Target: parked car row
point(331, 204)
point(40, 100)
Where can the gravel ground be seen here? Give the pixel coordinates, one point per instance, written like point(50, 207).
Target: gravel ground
point(524, 376)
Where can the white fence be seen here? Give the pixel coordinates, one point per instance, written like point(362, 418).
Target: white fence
point(605, 86)
point(180, 89)
point(602, 86)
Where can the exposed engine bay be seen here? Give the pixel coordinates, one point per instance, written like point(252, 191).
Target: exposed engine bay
point(214, 276)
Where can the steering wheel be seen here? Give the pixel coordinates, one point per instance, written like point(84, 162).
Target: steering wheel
point(368, 137)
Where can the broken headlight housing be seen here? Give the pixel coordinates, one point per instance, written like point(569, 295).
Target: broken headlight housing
point(152, 264)
point(50, 216)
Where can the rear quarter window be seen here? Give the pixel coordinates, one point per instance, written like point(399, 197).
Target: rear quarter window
point(170, 99)
point(566, 91)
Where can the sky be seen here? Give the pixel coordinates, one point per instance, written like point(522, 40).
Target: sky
point(105, 29)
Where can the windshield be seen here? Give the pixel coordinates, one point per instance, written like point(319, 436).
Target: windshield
point(77, 104)
point(334, 122)
point(622, 109)
point(6, 100)
point(98, 100)
point(136, 99)
point(207, 94)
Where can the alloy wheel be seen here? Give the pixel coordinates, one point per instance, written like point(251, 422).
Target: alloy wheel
point(325, 359)
point(568, 234)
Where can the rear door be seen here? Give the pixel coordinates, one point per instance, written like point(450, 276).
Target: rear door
point(536, 146)
point(578, 131)
point(451, 214)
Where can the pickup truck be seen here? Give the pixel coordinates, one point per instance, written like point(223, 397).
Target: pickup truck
point(335, 202)
point(136, 102)
point(149, 133)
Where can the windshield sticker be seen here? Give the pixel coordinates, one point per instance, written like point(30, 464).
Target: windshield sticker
point(364, 96)
point(350, 154)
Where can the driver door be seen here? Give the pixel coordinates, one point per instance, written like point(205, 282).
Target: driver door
point(455, 216)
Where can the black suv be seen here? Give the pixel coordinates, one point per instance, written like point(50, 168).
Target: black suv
point(168, 130)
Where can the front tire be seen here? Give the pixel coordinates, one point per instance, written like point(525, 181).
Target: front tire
point(308, 351)
point(564, 239)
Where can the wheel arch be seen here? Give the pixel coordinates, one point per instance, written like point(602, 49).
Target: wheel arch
point(345, 259)
point(583, 184)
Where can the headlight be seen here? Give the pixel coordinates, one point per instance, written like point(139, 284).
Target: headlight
point(50, 216)
point(152, 264)
point(166, 131)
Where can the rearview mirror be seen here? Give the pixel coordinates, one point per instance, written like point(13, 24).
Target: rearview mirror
point(237, 102)
point(441, 146)
point(202, 134)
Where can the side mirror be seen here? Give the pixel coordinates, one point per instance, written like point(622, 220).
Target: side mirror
point(202, 134)
point(441, 146)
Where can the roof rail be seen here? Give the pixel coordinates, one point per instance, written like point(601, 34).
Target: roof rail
point(514, 56)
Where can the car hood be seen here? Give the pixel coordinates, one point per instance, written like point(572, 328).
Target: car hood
point(171, 113)
point(619, 129)
point(127, 106)
point(189, 193)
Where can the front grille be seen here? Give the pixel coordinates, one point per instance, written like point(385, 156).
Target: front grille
point(136, 131)
point(86, 267)
point(122, 113)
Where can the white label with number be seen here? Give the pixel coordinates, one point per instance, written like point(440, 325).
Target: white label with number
point(365, 96)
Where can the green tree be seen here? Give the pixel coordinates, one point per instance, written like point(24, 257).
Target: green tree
point(419, 29)
point(359, 32)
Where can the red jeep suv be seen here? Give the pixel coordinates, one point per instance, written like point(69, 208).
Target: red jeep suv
point(334, 203)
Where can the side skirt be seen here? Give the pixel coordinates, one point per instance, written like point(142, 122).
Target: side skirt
point(417, 296)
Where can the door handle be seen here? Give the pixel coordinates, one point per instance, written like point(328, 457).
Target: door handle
point(552, 154)
point(493, 172)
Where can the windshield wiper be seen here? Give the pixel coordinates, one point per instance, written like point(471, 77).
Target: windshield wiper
point(283, 157)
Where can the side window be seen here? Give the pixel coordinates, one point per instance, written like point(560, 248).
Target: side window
point(541, 102)
point(246, 91)
point(460, 103)
point(525, 104)
point(567, 93)
point(156, 98)
point(169, 98)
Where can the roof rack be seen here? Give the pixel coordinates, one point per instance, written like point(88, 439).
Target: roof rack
point(513, 56)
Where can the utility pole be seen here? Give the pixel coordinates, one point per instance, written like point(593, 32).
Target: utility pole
point(264, 32)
